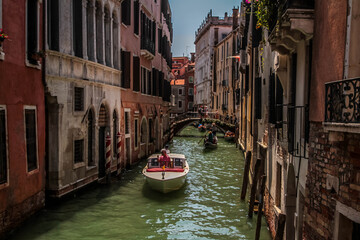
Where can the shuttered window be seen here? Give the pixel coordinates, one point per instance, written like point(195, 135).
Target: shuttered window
point(136, 74)
point(126, 12)
point(53, 24)
point(79, 99)
point(136, 17)
point(78, 151)
point(31, 146)
point(3, 150)
point(291, 109)
point(154, 80)
point(125, 68)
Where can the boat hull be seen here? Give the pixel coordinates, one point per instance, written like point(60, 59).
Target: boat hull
point(210, 145)
point(166, 186)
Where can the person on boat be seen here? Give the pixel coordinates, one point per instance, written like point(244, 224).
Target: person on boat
point(210, 137)
point(214, 128)
point(164, 159)
point(215, 138)
point(167, 149)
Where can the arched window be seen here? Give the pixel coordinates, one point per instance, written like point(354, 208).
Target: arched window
point(107, 37)
point(91, 136)
point(115, 131)
point(90, 15)
point(115, 41)
point(143, 131)
point(99, 33)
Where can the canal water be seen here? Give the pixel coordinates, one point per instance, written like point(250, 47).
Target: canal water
point(207, 207)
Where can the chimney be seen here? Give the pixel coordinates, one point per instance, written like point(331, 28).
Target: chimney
point(216, 36)
point(226, 15)
point(235, 18)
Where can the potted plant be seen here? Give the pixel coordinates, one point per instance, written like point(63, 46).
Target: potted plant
point(3, 36)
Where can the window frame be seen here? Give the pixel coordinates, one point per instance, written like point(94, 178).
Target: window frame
point(27, 62)
point(83, 100)
point(35, 170)
point(82, 162)
point(6, 183)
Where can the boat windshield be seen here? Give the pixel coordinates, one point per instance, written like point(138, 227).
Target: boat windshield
point(174, 163)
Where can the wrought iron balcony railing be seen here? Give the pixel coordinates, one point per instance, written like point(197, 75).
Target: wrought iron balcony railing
point(342, 101)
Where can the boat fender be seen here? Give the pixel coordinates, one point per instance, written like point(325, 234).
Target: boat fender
point(163, 175)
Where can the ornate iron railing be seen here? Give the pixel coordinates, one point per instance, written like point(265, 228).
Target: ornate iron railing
point(342, 101)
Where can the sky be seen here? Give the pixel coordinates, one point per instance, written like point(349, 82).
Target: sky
point(187, 15)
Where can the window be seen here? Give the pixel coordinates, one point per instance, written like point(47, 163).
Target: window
point(107, 36)
point(191, 79)
point(31, 146)
point(146, 81)
point(180, 104)
point(79, 99)
point(125, 68)
point(115, 29)
point(32, 30)
point(78, 151)
point(127, 119)
point(53, 24)
point(136, 17)
point(90, 24)
point(126, 12)
point(91, 135)
point(191, 91)
point(191, 105)
point(136, 132)
point(115, 131)
point(77, 28)
point(3, 149)
point(180, 91)
point(150, 130)
point(136, 73)
point(99, 32)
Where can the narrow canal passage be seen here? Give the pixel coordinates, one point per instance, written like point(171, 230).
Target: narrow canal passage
point(207, 207)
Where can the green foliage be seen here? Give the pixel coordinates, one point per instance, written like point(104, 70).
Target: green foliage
point(266, 12)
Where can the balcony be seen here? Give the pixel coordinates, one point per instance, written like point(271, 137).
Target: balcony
point(342, 101)
point(295, 24)
point(147, 48)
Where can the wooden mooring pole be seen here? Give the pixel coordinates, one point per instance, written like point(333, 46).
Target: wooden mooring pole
point(261, 203)
point(281, 226)
point(246, 175)
point(254, 188)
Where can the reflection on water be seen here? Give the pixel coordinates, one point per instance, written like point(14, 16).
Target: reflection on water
point(207, 207)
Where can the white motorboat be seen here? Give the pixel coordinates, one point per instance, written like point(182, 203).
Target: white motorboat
point(166, 179)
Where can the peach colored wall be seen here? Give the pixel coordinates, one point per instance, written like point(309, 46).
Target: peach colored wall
point(328, 51)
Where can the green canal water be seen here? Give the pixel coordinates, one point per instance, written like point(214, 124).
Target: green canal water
point(207, 207)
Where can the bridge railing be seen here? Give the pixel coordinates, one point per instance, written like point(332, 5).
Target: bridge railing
point(209, 115)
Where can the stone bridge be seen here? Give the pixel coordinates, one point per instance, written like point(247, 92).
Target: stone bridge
point(179, 122)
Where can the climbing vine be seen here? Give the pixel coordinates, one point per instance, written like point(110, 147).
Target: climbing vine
point(266, 12)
